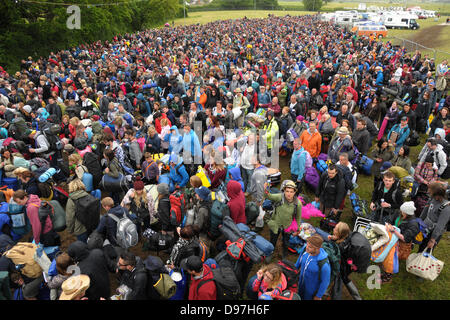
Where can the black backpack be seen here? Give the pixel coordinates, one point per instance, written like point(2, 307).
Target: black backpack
point(141, 108)
point(357, 248)
point(347, 175)
point(91, 162)
point(51, 132)
point(227, 285)
point(87, 211)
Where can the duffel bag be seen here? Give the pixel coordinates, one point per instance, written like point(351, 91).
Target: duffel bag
point(262, 243)
point(111, 184)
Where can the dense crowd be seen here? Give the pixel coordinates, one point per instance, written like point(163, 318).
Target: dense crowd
point(171, 139)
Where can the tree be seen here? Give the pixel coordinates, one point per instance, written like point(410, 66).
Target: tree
point(312, 5)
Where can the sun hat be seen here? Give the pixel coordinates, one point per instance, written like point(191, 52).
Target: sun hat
point(343, 130)
point(73, 286)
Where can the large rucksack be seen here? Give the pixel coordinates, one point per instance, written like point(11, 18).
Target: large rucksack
point(227, 285)
point(87, 211)
point(291, 273)
point(177, 207)
point(357, 248)
point(159, 284)
point(126, 235)
point(347, 175)
point(51, 132)
point(251, 212)
point(334, 258)
point(218, 211)
point(194, 248)
point(56, 213)
point(91, 162)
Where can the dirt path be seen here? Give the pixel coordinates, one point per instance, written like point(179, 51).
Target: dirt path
point(429, 37)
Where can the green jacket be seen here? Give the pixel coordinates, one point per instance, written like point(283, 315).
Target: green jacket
point(271, 131)
point(284, 212)
point(73, 225)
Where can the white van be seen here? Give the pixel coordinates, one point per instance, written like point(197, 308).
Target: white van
point(400, 22)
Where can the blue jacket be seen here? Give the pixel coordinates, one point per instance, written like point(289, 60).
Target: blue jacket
point(235, 173)
point(298, 161)
point(308, 267)
point(155, 142)
point(178, 175)
point(191, 144)
point(174, 140)
point(380, 78)
point(403, 134)
point(108, 227)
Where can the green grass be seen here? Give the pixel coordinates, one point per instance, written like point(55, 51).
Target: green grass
point(204, 17)
point(440, 7)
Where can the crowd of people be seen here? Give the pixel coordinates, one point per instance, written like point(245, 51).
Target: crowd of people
point(121, 133)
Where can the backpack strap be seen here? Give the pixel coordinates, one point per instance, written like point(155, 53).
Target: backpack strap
point(202, 282)
point(112, 216)
point(321, 263)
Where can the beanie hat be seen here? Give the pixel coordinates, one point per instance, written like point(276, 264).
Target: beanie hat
point(408, 208)
point(300, 118)
point(315, 240)
point(138, 184)
point(203, 192)
point(386, 165)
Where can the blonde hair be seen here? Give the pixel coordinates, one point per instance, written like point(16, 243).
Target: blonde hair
point(151, 129)
point(74, 121)
point(276, 272)
point(343, 230)
point(75, 158)
point(76, 185)
point(164, 122)
point(138, 199)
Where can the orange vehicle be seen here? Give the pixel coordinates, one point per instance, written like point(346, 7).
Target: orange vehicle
point(370, 30)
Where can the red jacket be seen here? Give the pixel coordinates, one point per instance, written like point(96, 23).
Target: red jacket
point(237, 202)
point(207, 291)
point(158, 122)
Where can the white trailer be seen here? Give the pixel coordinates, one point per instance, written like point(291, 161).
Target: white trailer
point(399, 21)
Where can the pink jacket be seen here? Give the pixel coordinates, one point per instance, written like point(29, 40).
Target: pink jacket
point(33, 205)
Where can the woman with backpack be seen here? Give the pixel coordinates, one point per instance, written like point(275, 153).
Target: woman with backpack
point(29, 183)
point(77, 190)
point(140, 203)
point(409, 229)
point(286, 208)
point(76, 165)
point(181, 250)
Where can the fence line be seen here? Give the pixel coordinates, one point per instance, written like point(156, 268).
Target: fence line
point(412, 46)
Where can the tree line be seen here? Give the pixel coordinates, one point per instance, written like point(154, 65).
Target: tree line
point(36, 29)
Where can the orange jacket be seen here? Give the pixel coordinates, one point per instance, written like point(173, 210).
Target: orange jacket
point(311, 143)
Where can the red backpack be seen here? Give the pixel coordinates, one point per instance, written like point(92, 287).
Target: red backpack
point(177, 207)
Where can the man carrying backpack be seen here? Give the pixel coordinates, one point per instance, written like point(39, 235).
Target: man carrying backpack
point(347, 173)
point(314, 269)
point(202, 210)
point(386, 198)
point(107, 226)
point(330, 191)
point(436, 215)
point(202, 286)
point(132, 274)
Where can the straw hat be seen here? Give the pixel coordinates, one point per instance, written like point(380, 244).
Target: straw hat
point(73, 286)
point(343, 130)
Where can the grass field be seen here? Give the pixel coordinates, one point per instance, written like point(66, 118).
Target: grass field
point(442, 7)
point(404, 285)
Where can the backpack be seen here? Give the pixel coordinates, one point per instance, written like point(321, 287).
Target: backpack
point(126, 235)
point(251, 212)
point(51, 132)
point(142, 109)
point(287, 295)
point(218, 211)
point(291, 273)
point(194, 248)
point(334, 258)
point(87, 212)
point(91, 162)
point(347, 175)
point(423, 231)
point(22, 254)
point(158, 283)
point(56, 212)
point(177, 207)
point(357, 249)
point(227, 285)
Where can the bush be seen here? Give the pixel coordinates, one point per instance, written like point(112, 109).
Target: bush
point(312, 5)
